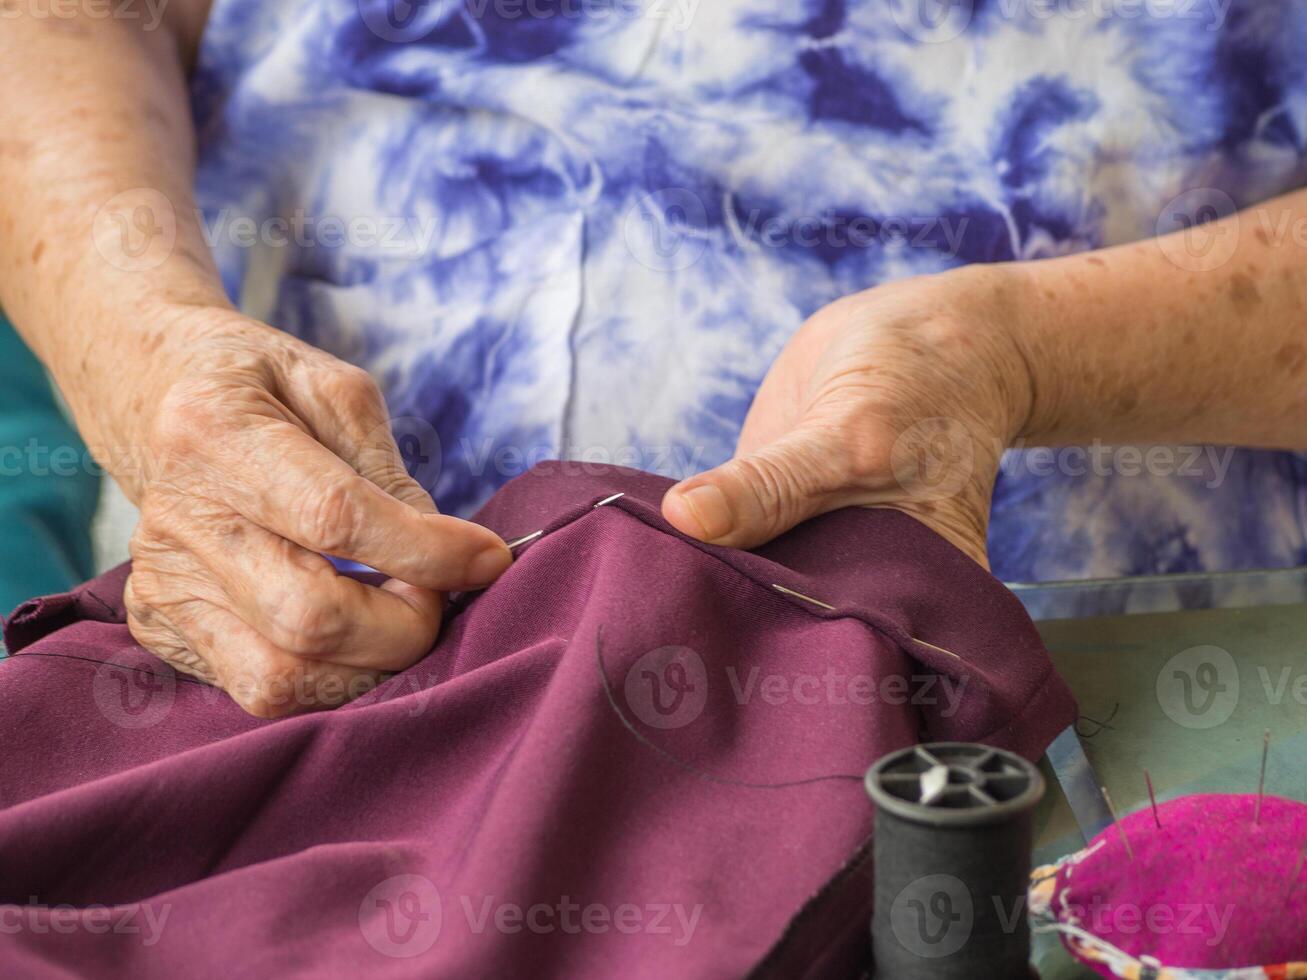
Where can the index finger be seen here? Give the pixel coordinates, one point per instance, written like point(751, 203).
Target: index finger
point(318, 501)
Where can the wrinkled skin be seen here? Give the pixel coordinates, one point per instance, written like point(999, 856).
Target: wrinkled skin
point(262, 455)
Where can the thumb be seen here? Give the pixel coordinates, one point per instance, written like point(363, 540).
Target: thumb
point(761, 494)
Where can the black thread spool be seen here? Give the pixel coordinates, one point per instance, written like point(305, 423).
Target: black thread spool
point(952, 862)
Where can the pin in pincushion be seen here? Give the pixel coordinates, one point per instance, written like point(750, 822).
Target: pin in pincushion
point(1211, 893)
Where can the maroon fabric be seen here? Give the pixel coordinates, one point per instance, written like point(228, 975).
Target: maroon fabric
point(632, 756)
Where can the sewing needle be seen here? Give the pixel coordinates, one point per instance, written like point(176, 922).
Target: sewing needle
point(1261, 780)
point(1117, 820)
point(1152, 800)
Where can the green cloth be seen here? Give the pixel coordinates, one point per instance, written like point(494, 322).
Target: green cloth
point(49, 486)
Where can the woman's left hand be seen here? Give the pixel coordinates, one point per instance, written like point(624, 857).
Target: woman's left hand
point(901, 396)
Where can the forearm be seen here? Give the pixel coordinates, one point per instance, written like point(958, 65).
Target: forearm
point(99, 129)
point(1164, 341)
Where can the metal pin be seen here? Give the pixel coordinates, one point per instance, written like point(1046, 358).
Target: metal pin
point(523, 540)
point(924, 643)
point(1152, 799)
point(1293, 882)
point(1261, 780)
point(1117, 820)
point(800, 595)
point(609, 500)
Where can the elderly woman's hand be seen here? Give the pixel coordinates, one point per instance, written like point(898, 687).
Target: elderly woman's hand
point(902, 396)
point(261, 455)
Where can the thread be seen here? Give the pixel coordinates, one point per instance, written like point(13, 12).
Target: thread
point(675, 760)
point(952, 862)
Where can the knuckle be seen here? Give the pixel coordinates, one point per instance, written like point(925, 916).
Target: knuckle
point(185, 417)
point(329, 519)
point(141, 596)
point(264, 691)
point(354, 391)
point(775, 487)
point(145, 629)
point(863, 454)
point(866, 462)
point(253, 702)
point(184, 660)
point(305, 622)
point(154, 537)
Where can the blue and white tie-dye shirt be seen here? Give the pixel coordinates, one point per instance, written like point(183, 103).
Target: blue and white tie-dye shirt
point(585, 228)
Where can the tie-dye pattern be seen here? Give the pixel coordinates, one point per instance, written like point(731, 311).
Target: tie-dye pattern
point(594, 223)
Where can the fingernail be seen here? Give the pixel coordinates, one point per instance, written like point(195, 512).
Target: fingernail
point(488, 565)
point(708, 505)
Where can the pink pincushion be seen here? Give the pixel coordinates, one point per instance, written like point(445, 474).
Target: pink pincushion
point(1208, 890)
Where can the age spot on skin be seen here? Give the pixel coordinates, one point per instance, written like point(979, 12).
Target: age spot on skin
point(1128, 400)
point(1095, 260)
point(1292, 358)
point(1260, 234)
point(1244, 293)
point(156, 116)
point(37, 251)
point(15, 149)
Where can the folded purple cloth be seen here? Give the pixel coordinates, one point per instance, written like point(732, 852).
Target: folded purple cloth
point(634, 755)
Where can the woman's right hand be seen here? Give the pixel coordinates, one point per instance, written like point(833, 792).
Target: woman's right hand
point(254, 453)
point(259, 455)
